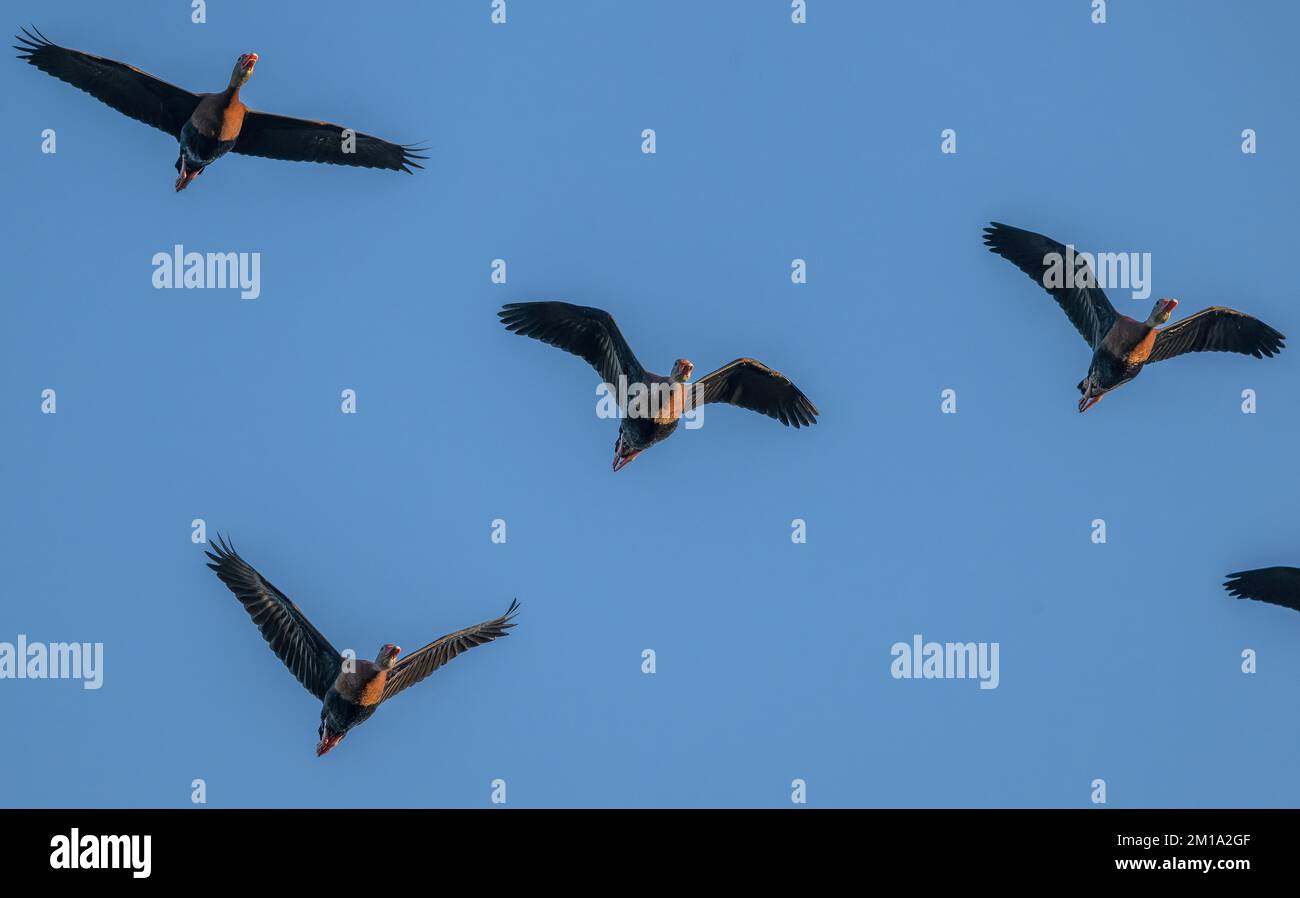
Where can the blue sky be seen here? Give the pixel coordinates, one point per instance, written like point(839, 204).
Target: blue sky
point(775, 141)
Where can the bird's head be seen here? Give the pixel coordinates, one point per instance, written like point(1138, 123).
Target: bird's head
point(243, 69)
point(1163, 309)
point(682, 369)
point(387, 656)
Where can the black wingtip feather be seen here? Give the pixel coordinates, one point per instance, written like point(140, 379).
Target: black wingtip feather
point(508, 619)
point(992, 232)
point(31, 43)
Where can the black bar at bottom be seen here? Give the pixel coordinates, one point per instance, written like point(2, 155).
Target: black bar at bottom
point(332, 847)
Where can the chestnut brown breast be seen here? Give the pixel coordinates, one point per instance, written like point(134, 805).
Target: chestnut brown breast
point(232, 120)
point(1142, 350)
point(1129, 340)
point(675, 404)
point(373, 689)
point(364, 686)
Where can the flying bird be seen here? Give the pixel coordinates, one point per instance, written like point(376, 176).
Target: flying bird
point(208, 126)
point(1122, 345)
point(1275, 585)
point(592, 335)
point(349, 693)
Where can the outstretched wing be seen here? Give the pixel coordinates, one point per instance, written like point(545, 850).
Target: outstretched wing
point(308, 655)
point(1087, 307)
point(301, 140)
point(419, 664)
point(588, 333)
point(1275, 585)
point(1217, 329)
point(750, 384)
point(124, 87)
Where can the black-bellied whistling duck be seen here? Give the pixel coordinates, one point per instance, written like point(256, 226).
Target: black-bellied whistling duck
point(1122, 345)
point(592, 335)
point(1275, 585)
point(349, 692)
point(208, 126)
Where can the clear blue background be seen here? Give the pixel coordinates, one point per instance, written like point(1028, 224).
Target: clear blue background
point(775, 141)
